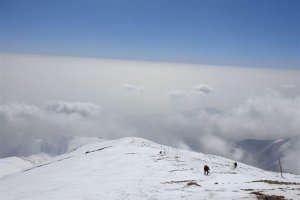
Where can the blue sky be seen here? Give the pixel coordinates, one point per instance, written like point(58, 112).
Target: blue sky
point(259, 33)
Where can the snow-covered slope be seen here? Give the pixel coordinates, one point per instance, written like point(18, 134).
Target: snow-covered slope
point(134, 168)
point(12, 165)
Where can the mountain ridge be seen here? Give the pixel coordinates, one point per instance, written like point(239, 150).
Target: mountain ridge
point(135, 168)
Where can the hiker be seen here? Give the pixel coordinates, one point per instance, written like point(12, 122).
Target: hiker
point(206, 170)
point(235, 165)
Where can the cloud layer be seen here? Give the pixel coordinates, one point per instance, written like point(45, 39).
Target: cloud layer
point(84, 109)
point(23, 126)
point(208, 130)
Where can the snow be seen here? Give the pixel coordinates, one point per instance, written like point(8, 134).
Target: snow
point(133, 168)
point(11, 165)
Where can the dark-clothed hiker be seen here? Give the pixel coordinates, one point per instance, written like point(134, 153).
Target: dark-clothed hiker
point(206, 170)
point(235, 165)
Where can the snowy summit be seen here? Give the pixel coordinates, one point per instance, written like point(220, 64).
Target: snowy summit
point(134, 168)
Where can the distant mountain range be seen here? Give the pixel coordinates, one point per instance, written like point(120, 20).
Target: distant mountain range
point(265, 154)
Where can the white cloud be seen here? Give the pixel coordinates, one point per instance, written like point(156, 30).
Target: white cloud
point(288, 86)
point(133, 88)
point(216, 145)
point(23, 125)
point(204, 89)
point(85, 109)
point(18, 111)
point(265, 117)
point(177, 94)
